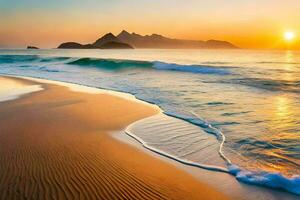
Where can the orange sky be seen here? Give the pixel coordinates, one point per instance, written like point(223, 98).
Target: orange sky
point(248, 24)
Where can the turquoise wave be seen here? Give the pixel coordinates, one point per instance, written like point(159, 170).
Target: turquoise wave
point(110, 64)
point(115, 64)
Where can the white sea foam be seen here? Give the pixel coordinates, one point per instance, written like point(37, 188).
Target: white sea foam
point(267, 179)
point(201, 69)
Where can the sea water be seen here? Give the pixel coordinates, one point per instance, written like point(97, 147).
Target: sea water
point(240, 106)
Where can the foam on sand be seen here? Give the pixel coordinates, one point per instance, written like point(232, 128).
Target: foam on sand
point(86, 89)
point(11, 89)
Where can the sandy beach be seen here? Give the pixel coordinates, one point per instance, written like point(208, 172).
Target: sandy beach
point(58, 144)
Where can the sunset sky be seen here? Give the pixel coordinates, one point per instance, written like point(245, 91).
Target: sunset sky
point(246, 23)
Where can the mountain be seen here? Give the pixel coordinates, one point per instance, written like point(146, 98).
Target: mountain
point(159, 41)
point(127, 40)
point(115, 45)
point(109, 37)
point(108, 41)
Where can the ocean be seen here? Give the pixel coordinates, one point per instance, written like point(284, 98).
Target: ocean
point(234, 111)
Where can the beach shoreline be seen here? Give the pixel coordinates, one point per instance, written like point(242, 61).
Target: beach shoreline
point(58, 143)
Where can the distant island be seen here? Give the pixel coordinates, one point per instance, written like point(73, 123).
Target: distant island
point(126, 40)
point(108, 41)
point(32, 47)
point(159, 41)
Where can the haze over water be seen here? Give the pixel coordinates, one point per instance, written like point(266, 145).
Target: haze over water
point(253, 97)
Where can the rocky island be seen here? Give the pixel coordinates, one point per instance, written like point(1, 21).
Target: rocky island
point(126, 40)
point(108, 41)
point(32, 47)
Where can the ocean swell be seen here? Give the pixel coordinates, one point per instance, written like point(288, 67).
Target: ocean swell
point(114, 65)
point(110, 64)
point(9, 59)
point(201, 69)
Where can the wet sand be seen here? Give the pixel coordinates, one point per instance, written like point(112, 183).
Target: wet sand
point(59, 144)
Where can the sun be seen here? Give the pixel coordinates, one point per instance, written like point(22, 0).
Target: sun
point(289, 35)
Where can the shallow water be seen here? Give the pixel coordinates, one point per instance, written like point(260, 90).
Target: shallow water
point(252, 97)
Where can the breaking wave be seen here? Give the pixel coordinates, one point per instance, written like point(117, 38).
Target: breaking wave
point(113, 65)
point(117, 65)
